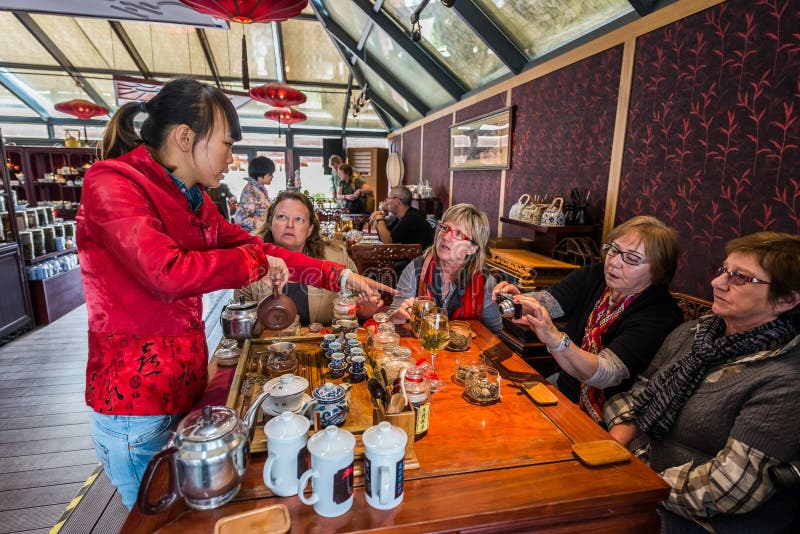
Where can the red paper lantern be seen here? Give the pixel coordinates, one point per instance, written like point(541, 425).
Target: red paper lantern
point(83, 109)
point(285, 115)
point(248, 11)
point(278, 95)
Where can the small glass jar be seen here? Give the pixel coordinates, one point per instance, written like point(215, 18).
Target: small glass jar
point(466, 368)
point(417, 389)
point(460, 336)
point(394, 364)
point(483, 390)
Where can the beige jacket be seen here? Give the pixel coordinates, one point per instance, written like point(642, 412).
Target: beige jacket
point(320, 301)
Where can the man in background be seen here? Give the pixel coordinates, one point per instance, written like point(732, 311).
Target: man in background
point(410, 225)
point(224, 199)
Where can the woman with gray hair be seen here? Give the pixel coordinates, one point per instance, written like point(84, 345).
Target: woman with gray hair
point(452, 271)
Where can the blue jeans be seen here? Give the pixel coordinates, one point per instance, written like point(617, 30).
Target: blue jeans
point(125, 445)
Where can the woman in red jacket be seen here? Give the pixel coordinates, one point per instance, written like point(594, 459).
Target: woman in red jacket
point(151, 242)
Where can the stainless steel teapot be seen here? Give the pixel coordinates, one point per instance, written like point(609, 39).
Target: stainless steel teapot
point(239, 320)
point(207, 458)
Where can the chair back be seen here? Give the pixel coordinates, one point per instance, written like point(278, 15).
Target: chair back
point(692, 307)
point(378, 261)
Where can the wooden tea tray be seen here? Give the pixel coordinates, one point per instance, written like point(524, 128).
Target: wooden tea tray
point(252, 373)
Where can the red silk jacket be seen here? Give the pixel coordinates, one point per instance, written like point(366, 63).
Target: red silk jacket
point(146, 259)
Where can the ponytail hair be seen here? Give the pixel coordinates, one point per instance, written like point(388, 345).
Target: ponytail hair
point(180, 101)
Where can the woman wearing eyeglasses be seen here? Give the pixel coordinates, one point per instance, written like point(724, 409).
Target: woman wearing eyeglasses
point(717, 407)
point(618, 313)
point(452, 271)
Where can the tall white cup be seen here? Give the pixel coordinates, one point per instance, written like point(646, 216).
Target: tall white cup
point(331, 472)
point(384, 463)
point(287, 455)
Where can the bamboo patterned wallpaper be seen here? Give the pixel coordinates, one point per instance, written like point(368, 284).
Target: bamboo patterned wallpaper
point(712, 146)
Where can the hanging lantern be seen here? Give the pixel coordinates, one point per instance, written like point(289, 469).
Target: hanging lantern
point(248, 12)
point(82, 109)
point(278, 95)
point(285, 116)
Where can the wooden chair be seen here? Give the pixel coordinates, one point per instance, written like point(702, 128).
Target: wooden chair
point(378, 261)
point(692, 307)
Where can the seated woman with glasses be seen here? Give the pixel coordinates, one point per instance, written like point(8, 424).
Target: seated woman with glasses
point(618, 313)
point(291, 223)
point(717, 408)
point(452, 271)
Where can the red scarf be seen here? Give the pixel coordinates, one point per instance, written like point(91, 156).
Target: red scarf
point(471, 303)
point(602, 317)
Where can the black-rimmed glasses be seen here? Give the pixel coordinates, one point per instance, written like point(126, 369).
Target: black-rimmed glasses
point(738, 279)
point(631, 258)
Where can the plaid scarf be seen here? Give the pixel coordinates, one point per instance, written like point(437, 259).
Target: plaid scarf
point(658, 405)
point(602, 317)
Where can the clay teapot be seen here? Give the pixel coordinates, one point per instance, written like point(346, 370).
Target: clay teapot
point(276, 311)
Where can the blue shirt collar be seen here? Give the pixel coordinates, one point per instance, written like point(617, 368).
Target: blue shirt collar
point(193, 194)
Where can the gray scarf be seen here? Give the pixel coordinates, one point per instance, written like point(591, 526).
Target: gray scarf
point(658, 405)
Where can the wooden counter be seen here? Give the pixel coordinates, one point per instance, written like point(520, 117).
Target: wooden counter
point(506, 467)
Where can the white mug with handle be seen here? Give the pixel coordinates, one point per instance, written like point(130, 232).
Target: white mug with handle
point(384, 465)
point(287, 455)
point(331, 473)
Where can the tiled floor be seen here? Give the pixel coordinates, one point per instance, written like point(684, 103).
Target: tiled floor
point(46, 451)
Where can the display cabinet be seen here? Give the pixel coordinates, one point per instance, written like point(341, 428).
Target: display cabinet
point(545, 238)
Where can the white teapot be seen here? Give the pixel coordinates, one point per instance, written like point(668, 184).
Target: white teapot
point(515, 212)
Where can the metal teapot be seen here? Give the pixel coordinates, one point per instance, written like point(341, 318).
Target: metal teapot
point(72, 141)
point(207, 458)
point(239, 320)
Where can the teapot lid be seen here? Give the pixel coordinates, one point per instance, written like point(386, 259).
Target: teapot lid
point(207, 423)
point(328, 391)
point(286, 385)
point(385, 438)
point(331, 442)
point(242, 304)
point(288, 425)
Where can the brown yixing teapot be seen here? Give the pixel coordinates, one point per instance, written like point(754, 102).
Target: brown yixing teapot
point(276, 311)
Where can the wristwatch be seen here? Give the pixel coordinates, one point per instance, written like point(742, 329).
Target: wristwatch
point(562, 345)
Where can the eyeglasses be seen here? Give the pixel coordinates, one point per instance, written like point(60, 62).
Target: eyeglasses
point(631, 258)
point(738, 279)
point(457, 234)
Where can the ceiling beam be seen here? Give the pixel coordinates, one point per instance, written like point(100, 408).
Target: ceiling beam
point(209, 55)
point(449, 82)
point(347, 101)
point(10, 82)
point(341, 36)
point(130, 48)
point(40, 35)
point(643, 7)
point(485, 28)
point(378, 104)
point(277, 45)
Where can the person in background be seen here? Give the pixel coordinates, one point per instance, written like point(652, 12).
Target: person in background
point(410, 225)
point(618, 313)
point(224, 199)
point(292, 224)
point(352, 190)
point(254, 200)
point(453, 271)
point(717, 408)
point(334, 162)
point(151, 243)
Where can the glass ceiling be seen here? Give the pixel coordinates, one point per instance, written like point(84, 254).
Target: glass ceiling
point(45, 59)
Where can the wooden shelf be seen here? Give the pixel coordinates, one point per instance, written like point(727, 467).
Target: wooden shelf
point(569, 229)
point(56, 296)
point(50, 256)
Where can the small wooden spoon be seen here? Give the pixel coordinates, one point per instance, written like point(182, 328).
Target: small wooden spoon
point(396, 404)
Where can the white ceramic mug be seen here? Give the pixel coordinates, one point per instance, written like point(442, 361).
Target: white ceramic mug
point(384, 465)
point(287, 455)
point(331, 473)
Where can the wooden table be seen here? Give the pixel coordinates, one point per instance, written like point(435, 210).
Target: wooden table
point(506, 467)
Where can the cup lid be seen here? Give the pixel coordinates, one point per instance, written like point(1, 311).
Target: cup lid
point(286, 385)
point(385, 438)
point(331, 442)
point(286, 426)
